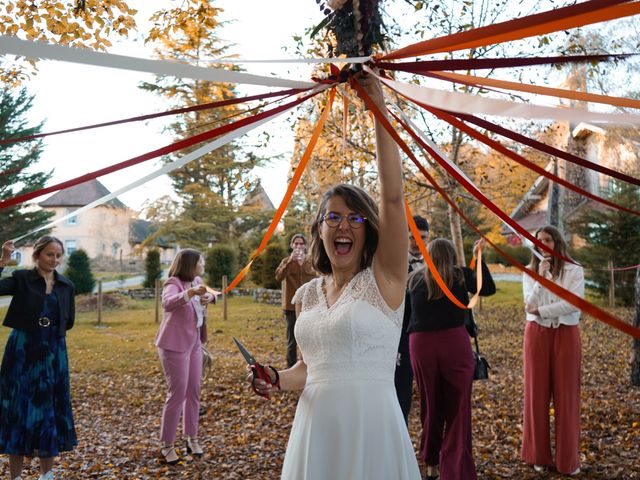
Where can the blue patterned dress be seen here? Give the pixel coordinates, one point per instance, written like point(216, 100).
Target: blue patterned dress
point(35, 399)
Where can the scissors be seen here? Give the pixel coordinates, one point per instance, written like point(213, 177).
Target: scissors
point(258, 371)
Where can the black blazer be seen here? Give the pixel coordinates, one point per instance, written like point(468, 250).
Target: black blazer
point(29, 290)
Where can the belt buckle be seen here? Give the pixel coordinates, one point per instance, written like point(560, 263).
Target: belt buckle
point(44, 321)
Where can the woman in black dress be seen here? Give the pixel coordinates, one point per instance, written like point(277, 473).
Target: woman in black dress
point(35, 400)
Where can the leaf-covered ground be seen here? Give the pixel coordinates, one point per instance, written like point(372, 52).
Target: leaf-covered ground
point(118, 390)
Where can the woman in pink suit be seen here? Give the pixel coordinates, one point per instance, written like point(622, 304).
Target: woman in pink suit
point(179, 340)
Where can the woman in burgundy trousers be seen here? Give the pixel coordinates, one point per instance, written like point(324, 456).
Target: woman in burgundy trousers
point(443, 362)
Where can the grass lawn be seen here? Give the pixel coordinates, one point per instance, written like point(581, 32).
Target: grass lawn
point(118, 389)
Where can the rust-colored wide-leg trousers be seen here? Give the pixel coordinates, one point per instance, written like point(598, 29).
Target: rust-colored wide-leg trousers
point(551, 372)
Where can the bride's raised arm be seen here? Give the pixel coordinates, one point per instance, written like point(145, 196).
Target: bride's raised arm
point(390, 261)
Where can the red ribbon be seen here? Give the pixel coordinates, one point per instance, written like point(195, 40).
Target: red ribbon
point(425, 66)
point(155, 153)
point(474, 191)
point(545, 148)
point(521, 160)
point(204, 106)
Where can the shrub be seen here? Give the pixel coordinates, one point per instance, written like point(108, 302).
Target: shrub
point(221, 260)
point(79, 272)
point(264, 267)
point(152, 269)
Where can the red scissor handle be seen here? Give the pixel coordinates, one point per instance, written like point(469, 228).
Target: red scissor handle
point(260, 372)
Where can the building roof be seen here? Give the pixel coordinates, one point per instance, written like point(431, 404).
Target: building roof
point(139, 231)
point(81, 195)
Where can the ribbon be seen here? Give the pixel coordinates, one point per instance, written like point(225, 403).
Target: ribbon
point(29, 49)
point(523, 161)
point(232, 135)
point(424, 66)
point(570, 297)
point(204, 106)
point(547, 148)
point(155, 153)
point(475, 81)
point(466, 103)
point(424, 142)
point(289, 193)
point(471, 188)
point(550, 21)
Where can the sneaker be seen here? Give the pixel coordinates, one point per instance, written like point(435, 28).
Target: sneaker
point(46, 476)
point(540, 468)
point(575, 472)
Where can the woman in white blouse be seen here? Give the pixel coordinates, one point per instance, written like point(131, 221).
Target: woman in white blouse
point(552, 360)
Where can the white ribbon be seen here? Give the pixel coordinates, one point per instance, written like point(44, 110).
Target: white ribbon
point(209, 147)
point(449, 162)
point(466, 103)
point(15, 46)
point(293, 60)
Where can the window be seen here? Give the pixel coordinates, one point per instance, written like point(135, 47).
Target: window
point(72, 220)
point(70, 246)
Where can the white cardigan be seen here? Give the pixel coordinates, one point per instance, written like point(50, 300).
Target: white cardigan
point(553, 310)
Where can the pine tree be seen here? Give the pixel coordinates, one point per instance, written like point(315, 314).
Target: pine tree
point(17, 175)
point(79, 272)
point(611, 235)
point(152, 268)
point(211, 189)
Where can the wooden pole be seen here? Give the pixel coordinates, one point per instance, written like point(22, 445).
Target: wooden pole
point(99, 303)
point(612, 286)
point(157, 300)
point(224, 297)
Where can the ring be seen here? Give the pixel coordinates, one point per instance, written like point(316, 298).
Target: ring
point(44, 321)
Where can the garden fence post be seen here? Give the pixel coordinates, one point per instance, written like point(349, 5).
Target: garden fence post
point(224, 297)
point(612, 286)
point(157, 300)
point(99, 303)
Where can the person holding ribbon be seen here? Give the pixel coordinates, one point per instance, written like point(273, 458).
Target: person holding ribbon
point(182, 333)
point(348, 423)
point(442, 360)
point(552, 357)
point(294, 271)
point(36, 419)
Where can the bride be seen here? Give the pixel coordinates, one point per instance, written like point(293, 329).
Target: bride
point(348, 423)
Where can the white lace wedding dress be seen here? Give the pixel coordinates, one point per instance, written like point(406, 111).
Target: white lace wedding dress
point(348, 423)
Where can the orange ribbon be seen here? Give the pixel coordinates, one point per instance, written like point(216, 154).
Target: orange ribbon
point(517, 29)
point(289, 193)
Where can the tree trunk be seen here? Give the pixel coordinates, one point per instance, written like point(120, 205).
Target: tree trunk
point(456, 234)
point(454, 218)
point(635, 356)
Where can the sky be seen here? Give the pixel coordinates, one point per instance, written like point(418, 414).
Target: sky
point(70, 95)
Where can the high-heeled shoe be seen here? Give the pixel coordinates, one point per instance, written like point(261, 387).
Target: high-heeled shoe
point(169, 455)
point(193, 447)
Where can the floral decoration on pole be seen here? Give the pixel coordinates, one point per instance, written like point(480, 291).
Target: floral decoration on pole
point(356, 25)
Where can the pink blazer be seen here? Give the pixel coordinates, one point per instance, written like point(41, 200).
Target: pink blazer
point(178, 330)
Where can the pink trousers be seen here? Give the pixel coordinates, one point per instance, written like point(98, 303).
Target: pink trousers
point(551, 373)
point(182, 371)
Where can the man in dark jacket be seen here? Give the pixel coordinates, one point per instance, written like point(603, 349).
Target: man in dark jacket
point(404, 375)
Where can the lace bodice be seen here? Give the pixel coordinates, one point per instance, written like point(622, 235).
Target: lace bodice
point(354, 339)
